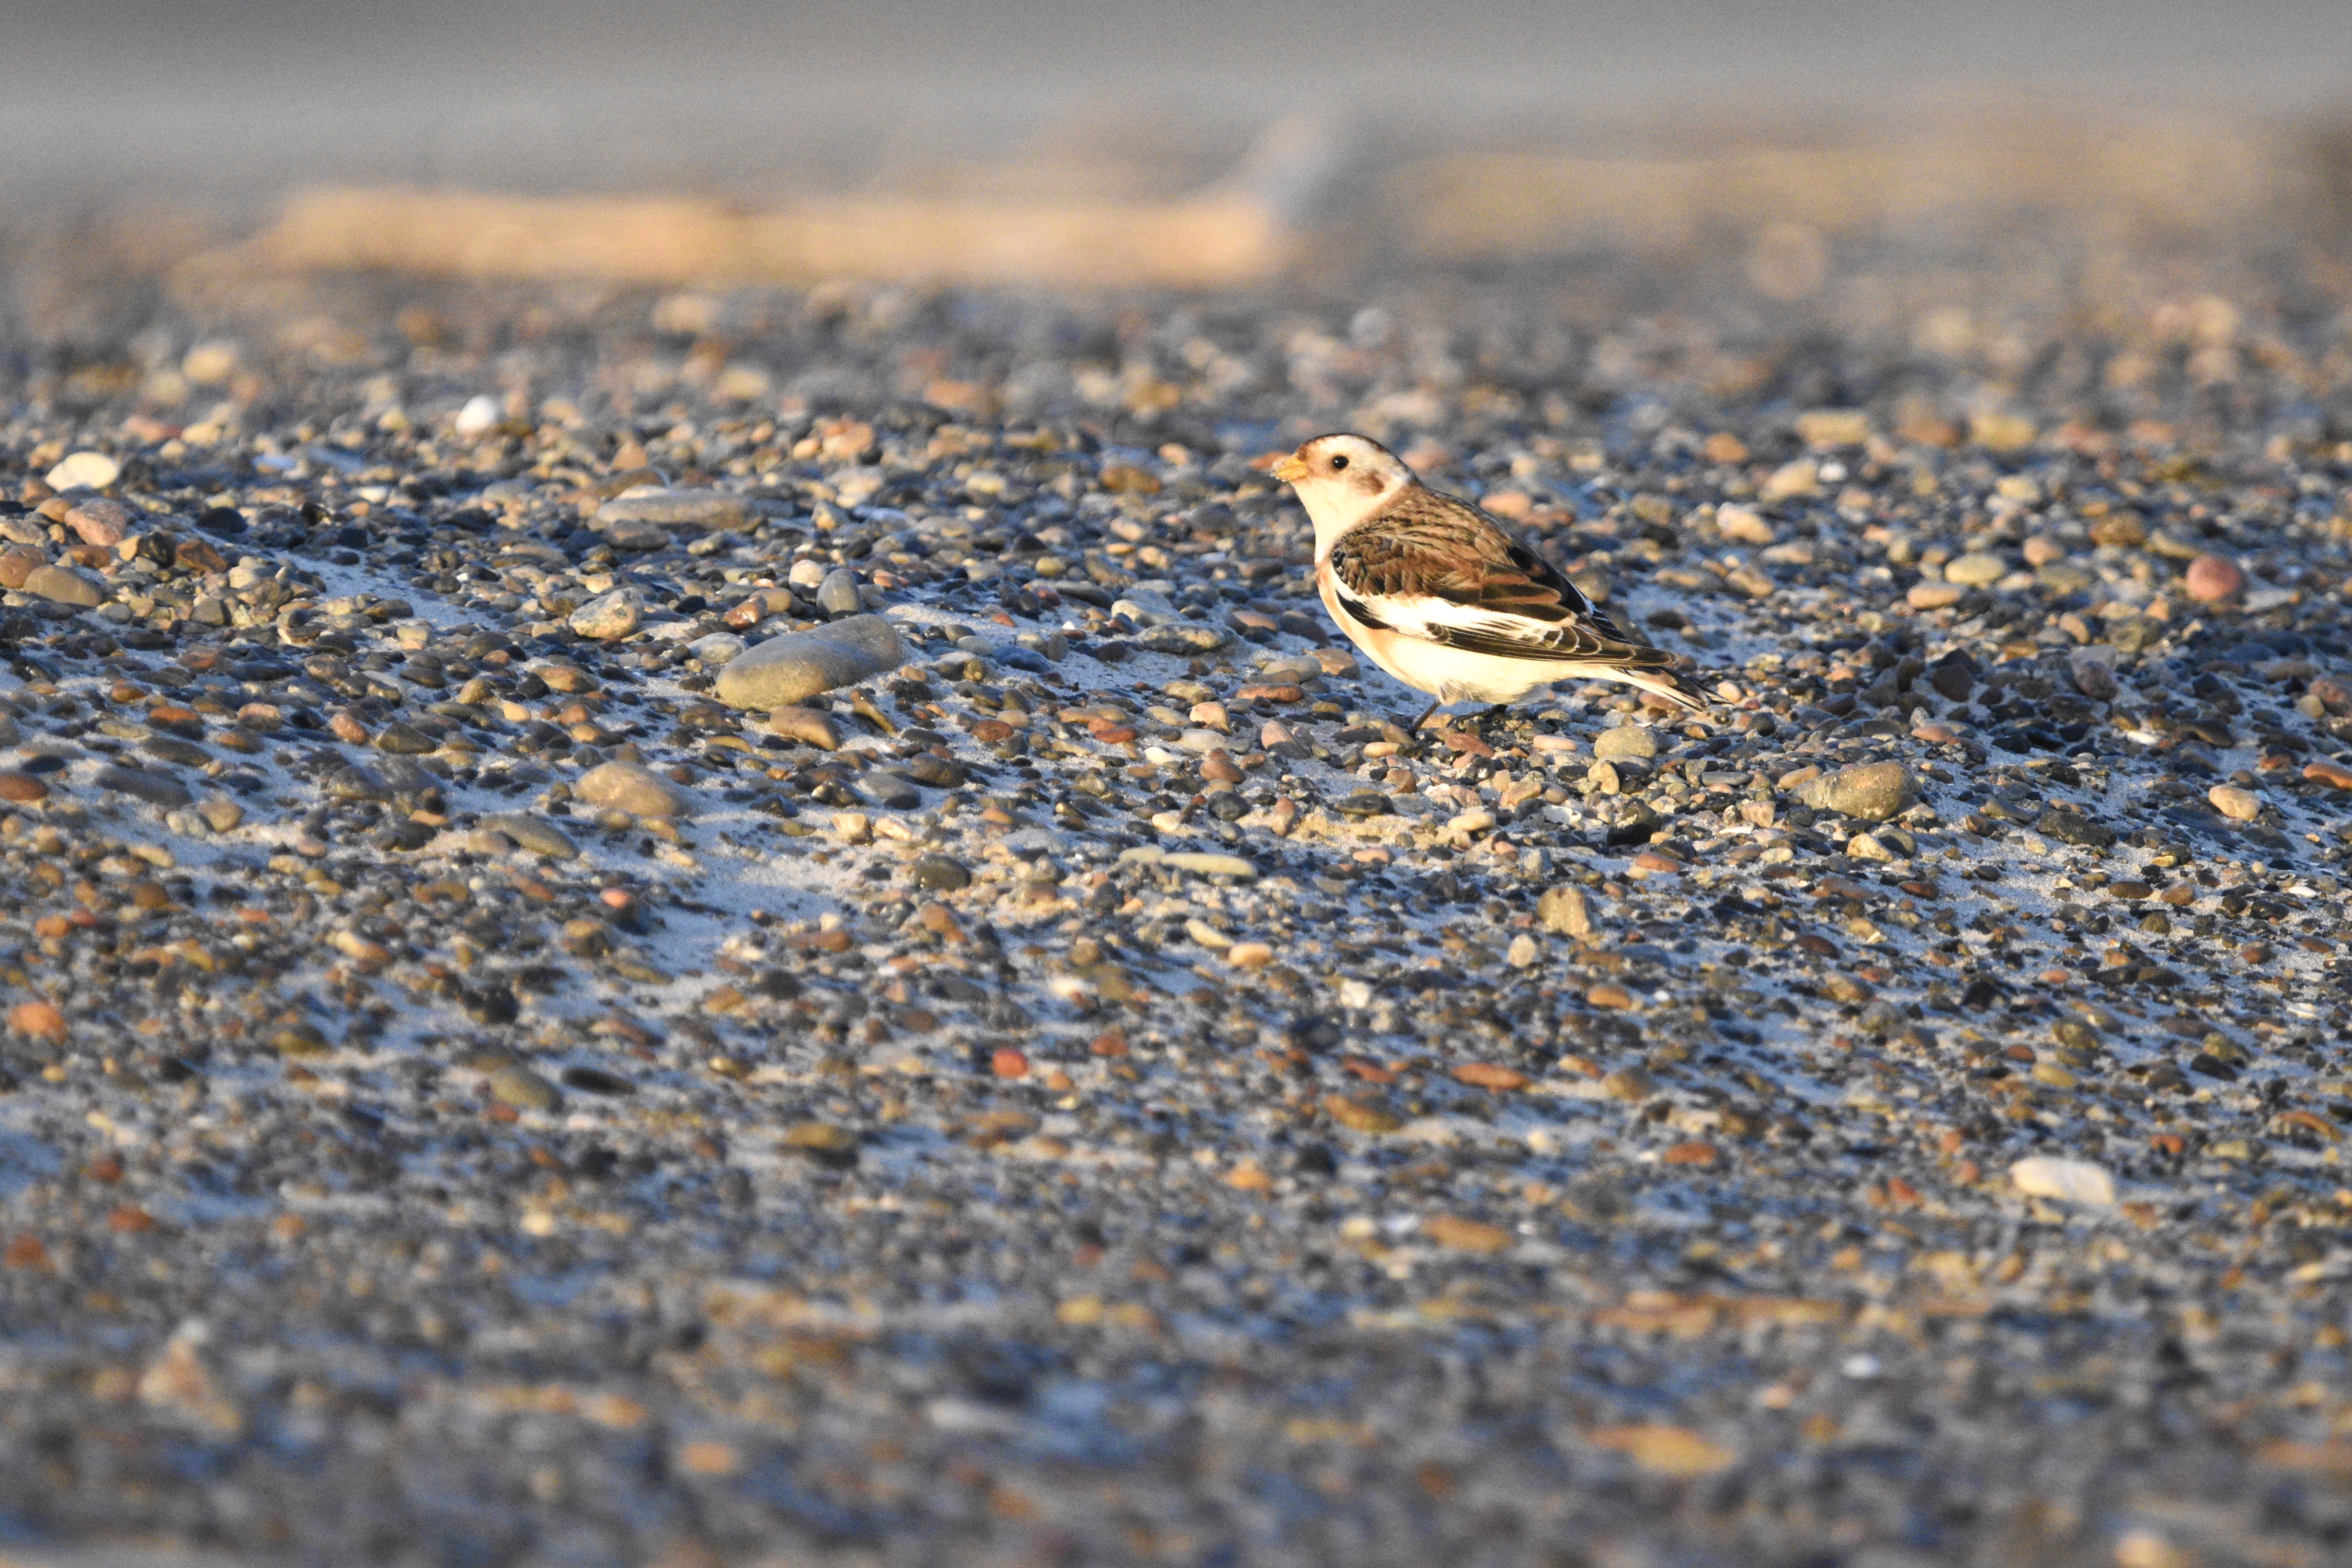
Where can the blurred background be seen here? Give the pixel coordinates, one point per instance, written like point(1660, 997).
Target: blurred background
point(1451, 133)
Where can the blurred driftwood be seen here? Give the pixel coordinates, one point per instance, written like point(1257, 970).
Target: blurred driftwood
point(2147, 172)
point(1239, 231)
point(1200, 242)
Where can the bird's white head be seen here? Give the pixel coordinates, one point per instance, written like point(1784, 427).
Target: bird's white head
point(1341, 480)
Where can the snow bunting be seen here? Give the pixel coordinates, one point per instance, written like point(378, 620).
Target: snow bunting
point(1439, 593)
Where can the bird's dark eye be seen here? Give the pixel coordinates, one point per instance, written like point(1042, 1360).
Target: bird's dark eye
point(1338, 463)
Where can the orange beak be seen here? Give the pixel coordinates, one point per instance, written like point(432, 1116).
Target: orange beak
point(1290, 469)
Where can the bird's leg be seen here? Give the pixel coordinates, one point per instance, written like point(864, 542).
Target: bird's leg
point(1425, 712)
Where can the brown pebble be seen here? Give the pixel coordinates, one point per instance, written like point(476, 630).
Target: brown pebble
point(2215, 580)
point(39, 1019)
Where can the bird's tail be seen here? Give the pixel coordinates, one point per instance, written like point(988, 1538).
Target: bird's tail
point(1670, 684)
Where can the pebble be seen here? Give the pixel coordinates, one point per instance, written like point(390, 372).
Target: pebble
point(519, 1086)
point(83, 471)
point(1625, 741)
point(627, 786)
point(786, 671)
point(805, 725)
point(1563, 909)
point(2215, 580)
point(888, 790)
point(2237, 804)
point(609, 616)
point(100, 522)
point(1874, 792)
point(405, 740)
point(2093, 677)
point(716, 648)
point(1977, 569)
point(676, 508)
point(2065, 1179)
point(146, 783)
point(940, 874)
point(64, 586)
point(532, 833)
point(480, 415)
point(1208, 863)
point(837, 595)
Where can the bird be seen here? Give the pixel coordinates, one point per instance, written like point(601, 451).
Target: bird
point(1439, 593)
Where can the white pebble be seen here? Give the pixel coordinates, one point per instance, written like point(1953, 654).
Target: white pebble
point(2069, 1180)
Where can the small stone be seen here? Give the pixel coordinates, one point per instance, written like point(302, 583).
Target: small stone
point(41, 1020)
point(64, 586)
point(1977, 569)
point(1933, 595)
point(2237, 804)
point(940, 874)
point(19, 562)
point(1790, 481)
point(890, 791)
point(479, 417)
point(405, 740)
point(1465, 1234)
point(1184, 638)
point(1523, 951)
point(837, 595)
point(2215, 580)
point(785, 671)
point(807, 726)
point(84, 471)
point(100, 522)
point(821, 1142)
point(1864, 846)
point(716, 648)
point(22, 788)
point(518, 1086)
point(1625, 741)
point(221, 813)
point(1358, 1116)
point(2068, 1181)
point(627, 787)
point(608, 617)
point(299, 1039)
point(1872, 790)
point(144, 784)
point(1563, 909)
point(178, 1384)
point(676, 508)
point(2093, 677)
point(1208, 863)
point(2334, 775)
point(1743, 525)
point(2074, 827)
point(534, 834)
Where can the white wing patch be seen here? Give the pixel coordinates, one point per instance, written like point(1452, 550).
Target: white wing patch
point(1433, 620)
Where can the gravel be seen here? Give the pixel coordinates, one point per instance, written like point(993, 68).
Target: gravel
point(711, 928)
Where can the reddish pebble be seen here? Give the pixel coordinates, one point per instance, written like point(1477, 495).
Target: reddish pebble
point(129, 1219)
point(39, 1019)
point(617, 898)
point(2334, 775)
point(22, 787)
point(2214, 579)
point(1009, 1063)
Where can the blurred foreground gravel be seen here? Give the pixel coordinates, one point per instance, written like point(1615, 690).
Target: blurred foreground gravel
point(1097, 1090)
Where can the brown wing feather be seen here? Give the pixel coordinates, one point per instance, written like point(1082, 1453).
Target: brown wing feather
point(1425, 545)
